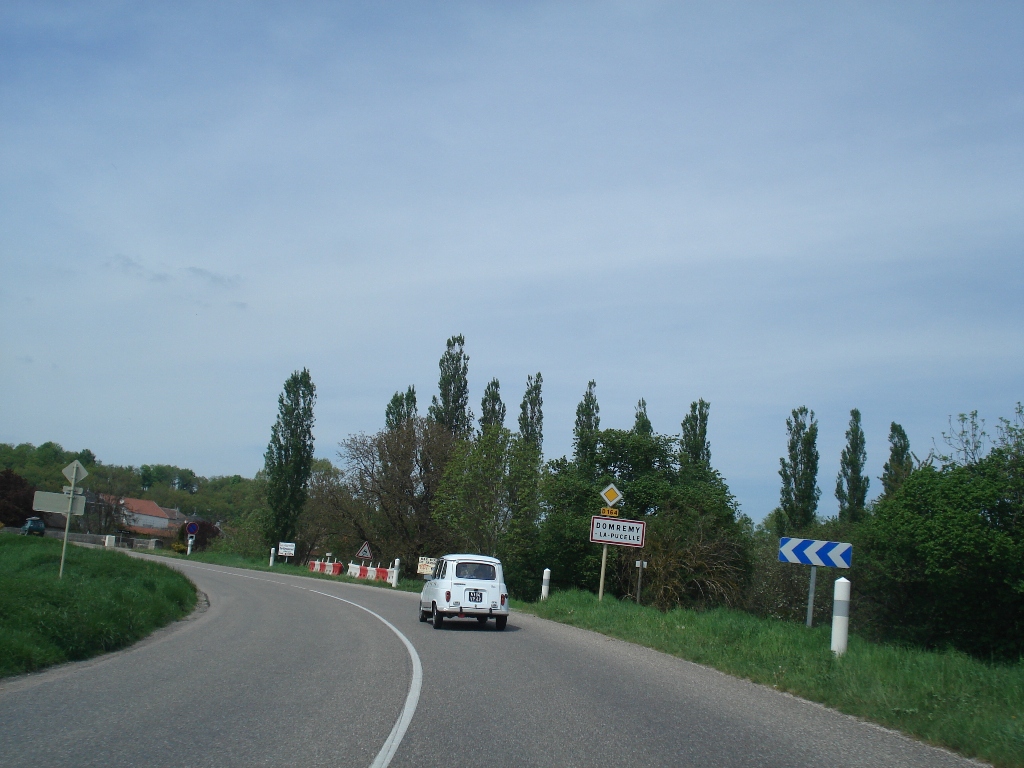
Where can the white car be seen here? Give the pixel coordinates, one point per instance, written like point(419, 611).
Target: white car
point(465, 586)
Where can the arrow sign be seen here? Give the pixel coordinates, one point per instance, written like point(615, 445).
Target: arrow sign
point(830, 554)
point(44, 501)
point(364, 552)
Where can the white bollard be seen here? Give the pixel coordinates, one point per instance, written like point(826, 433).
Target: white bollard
point(398, 567)
point(190, 540)
point(545, 584)
point(272, 551)
point(840, 616)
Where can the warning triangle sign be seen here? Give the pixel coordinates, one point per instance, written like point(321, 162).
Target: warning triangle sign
point(364, 552)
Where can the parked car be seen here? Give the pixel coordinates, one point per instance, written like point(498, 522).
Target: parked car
point(33, 525)
point(465, 586)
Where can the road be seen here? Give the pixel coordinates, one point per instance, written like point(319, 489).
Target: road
point(281, 670)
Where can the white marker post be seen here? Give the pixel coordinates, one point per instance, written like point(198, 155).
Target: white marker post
point(73, 472)
point(840, 616)
point(398, 568)
point(191, 539)
point(272, 552)
point(545, 584)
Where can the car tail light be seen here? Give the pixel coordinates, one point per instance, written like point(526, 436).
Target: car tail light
point(503, 599)
point(447, 596)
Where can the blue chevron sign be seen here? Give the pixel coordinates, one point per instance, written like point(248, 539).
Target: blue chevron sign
point(832, 554)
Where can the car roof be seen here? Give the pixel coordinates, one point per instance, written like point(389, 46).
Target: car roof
point(478, 558)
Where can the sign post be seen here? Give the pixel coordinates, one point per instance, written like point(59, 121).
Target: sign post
point(286, 549)
point(622, 533)
point(829, 554)
point(74, 472)
point(364, 552)
point(640, 565)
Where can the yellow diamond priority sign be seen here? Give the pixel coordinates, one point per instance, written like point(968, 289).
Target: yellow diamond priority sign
point(611, 495)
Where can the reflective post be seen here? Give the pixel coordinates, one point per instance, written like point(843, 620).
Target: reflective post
point(840, 616)
point(272, 551)
point(545, 584)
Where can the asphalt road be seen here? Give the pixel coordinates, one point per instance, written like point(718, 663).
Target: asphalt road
point(283, 670)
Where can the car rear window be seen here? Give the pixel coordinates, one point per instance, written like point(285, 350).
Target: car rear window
point(481, 571)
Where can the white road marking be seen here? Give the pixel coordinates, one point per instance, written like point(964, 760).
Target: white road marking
point(387, 752)
point(412, 700)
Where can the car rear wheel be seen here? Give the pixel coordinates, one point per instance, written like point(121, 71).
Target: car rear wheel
point(438, 618)
point(500, 622)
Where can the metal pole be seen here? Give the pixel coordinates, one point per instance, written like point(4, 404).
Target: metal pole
point(545, 584)
point(639, 579)
point(810, 595)
point(840, 616)
point(604, 561)
point(67, 525)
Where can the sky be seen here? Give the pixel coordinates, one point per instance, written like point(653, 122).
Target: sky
point(815, 204)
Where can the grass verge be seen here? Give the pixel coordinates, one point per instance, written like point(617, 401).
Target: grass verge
point(105, 601)
point(947, 699)
point(263, 564)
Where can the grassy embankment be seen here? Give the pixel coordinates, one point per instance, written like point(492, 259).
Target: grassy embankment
point(105, 601)
point(947, 698)
point(263, 564)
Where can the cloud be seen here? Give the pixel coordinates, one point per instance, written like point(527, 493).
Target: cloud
point(213, 279)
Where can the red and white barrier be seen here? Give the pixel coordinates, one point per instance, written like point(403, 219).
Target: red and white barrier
point(370, 573)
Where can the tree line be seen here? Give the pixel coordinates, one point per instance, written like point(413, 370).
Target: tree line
point(938, 554)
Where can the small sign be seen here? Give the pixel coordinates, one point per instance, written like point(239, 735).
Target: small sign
point(426, 565)
point(286, 549)
point(364, 552)
point(623, 533)
point(611, 495)
point(192, 528)
point(831, 554)
point(75, 472)
point(609, 512)
point(44, 501)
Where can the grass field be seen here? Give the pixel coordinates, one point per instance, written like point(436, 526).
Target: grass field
point(949, 699)
point(105, 601)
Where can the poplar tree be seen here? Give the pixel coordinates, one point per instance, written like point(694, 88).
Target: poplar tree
point(288, 461)
point(800, 492)
point(531, 415)
point(492, 409)
point(851, 484)
point(642, 423)
point(901, 461)
point(450, 407)
point(401, 410)
point(694, 440)
point(588, 421)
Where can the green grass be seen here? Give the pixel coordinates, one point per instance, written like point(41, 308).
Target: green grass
point(105, 601)
point(948, 699)
point(263, 564)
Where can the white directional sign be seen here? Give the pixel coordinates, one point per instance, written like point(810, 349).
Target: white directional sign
point(831, 554)
point(44, 501)
point(286, 549)
point(624, 533)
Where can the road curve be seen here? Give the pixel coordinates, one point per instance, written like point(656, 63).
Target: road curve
point(285, 670)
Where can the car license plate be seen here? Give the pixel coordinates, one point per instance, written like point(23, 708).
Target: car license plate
point(476, 597)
